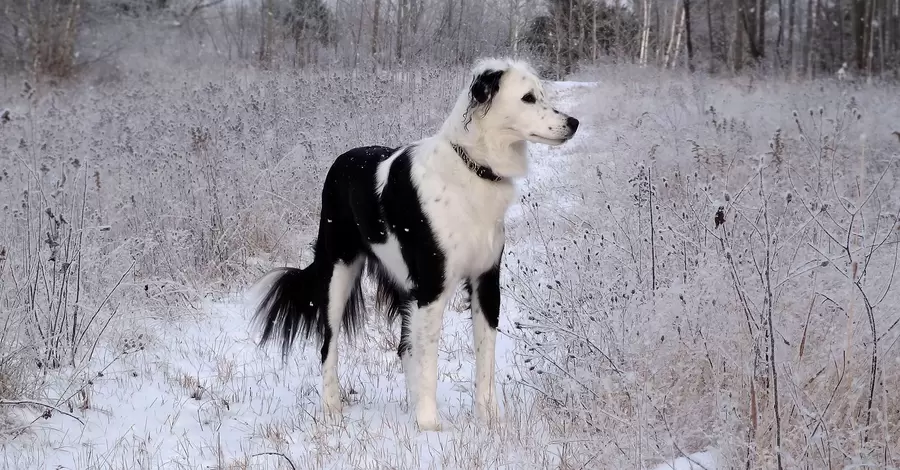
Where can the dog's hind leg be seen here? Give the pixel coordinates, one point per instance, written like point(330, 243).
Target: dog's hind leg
point(404, 350)
point(342, 300)
point(485, 301)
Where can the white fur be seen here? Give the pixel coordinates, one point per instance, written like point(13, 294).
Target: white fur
point(467, 215)
point(426, 334)
point(342, 279)
point(390, 256)
point(485, 340)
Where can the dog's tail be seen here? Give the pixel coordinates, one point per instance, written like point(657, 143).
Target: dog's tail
point(291, 306)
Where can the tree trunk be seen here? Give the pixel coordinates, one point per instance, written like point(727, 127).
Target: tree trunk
point(841, 53)
point(459, 31)
point(266, 32)
point(748, 20)
point(398, 18)
point(857, 20)
point(811, 39)
point(375, 22)
point(779, 40)
point(792, 7)
point(672, 34)
point(737, 44)
point(570, 42)
point(687, 31)
point(713, 56)
point(678, 36)
point(659, 36)
point(594, 34)
point(645, 34)
point(870, 39)
point(884, 26)
point(761, 27)
point(895, 37)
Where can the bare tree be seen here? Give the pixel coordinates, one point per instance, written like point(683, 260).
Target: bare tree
point(687, 24)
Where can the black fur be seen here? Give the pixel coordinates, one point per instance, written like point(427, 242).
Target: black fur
point(488, 295)
point(418, 244)
point(485, 86)
point(353, 218)
point(290, 306)
point(482, 91)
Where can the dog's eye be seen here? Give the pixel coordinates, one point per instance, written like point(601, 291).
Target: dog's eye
point(529, 98)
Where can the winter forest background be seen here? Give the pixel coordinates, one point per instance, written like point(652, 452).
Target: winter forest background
point(796, 38)
point(704, 276)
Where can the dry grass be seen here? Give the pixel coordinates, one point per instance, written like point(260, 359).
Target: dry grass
point(646, 331)
point(723, 276)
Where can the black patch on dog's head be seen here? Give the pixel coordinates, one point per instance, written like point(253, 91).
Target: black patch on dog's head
point(485, 86)
point(483, 90)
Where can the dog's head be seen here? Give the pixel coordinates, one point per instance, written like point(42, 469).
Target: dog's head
point(507, 97)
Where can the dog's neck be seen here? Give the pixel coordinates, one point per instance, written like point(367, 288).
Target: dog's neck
point(505, 154)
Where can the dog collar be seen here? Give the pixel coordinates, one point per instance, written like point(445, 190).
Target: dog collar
point(483, 172)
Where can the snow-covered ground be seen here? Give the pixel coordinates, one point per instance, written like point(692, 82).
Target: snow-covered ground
point(698, 461)
point(191, 390)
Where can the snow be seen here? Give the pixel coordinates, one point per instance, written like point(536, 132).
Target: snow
point(700, 460)
point(192, 390)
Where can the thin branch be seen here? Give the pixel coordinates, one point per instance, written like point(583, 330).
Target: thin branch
point(279, 454)
point(45, 405)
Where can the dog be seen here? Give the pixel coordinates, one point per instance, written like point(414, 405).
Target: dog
point(421, 220)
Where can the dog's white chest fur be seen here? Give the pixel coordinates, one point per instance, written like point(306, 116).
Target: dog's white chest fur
point(466, 213)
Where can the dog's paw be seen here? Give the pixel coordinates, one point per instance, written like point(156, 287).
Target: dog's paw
point(429, 425)
point(333, 416)
point(428, 420)
point(333, 408)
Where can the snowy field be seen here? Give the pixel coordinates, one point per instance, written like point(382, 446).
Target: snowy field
point(640, 327)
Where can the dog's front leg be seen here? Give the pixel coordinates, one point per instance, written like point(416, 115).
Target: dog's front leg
point(426, 332)
point(485, 301)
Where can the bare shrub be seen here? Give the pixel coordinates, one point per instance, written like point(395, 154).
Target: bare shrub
point(42, 34)
point(153, 193)
point(717, 286)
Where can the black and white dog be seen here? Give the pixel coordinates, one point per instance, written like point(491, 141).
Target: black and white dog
point(422, 218)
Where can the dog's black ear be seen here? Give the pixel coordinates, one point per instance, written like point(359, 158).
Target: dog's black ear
point(485, 86)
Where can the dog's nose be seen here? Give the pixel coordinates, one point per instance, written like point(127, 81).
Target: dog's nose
point(572, 123)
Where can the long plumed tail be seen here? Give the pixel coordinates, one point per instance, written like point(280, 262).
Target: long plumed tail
point(291, 306)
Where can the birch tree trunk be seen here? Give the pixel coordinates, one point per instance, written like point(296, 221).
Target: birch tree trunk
point(673, 32)
point(645, 34)
point(678, 40)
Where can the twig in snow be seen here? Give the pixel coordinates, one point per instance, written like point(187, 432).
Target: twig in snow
point(285, 457)
point(37, 403)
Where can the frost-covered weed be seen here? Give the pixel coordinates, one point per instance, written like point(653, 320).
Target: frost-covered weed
point(146, 193)
point(725, 254)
